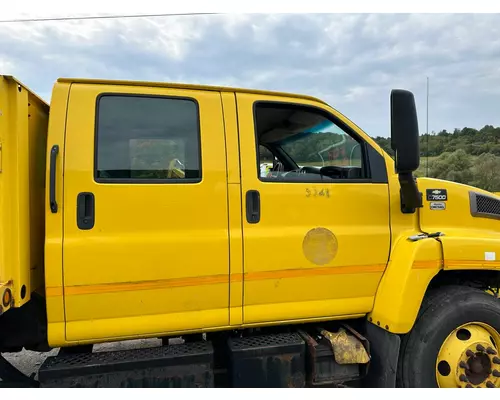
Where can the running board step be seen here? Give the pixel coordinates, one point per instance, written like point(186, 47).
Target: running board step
point(268, 361)
point(182, 365)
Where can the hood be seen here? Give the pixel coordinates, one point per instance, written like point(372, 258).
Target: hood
point(449, 207)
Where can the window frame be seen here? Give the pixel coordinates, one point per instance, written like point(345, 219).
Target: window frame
point(365, 148)
point(159, 181)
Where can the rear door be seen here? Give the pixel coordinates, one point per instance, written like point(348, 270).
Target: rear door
point(145, 212)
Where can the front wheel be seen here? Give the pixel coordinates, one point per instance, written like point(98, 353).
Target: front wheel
point(454, 343)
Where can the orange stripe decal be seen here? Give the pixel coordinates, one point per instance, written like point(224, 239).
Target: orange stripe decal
point(54, 291)
point(102, 288)
point(235, 278)
point(300, 273)
point(472, 264)
point(210, 280)
point(427, 264)
point(146, 285)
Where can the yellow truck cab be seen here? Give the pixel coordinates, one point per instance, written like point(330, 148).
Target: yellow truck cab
point(155, 210)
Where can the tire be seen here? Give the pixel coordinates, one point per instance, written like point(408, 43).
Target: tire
point(442, 311)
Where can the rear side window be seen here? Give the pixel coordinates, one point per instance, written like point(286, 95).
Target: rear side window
point(147, 139)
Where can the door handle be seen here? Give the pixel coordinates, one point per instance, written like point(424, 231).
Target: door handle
point(253, 206)
point(54, 151)
point(85, 210)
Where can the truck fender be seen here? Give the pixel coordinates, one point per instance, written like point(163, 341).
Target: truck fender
point(411, 267)
point(462, 252)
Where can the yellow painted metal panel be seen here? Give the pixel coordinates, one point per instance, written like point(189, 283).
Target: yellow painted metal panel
point(157, 259)
point(184, 86)
point(236, 254)
point(412, 266)
point(23, 130)
point(467, 252)
point(54, 221)
point(415, 263)
point(38, 120)
point(234, 202)
point(400, 223)
point(282, 279)
point(232, 144)
point(455, 217)
point(322, 309)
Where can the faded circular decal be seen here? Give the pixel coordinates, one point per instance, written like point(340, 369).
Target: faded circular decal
point(320, 246)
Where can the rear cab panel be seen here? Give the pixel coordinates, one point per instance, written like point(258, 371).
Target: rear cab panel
point(23, 138)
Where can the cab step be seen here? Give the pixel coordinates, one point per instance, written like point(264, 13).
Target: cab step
point(182, 365)
point(268, 361)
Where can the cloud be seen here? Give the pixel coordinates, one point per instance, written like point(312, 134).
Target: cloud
point(350, 60)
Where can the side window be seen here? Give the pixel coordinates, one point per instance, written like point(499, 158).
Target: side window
point(308, 144)
point(140, 138)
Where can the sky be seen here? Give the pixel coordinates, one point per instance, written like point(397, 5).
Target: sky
point(352, 61)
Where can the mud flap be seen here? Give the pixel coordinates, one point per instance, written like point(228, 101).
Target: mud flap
point(347, 349)
point(384, 349)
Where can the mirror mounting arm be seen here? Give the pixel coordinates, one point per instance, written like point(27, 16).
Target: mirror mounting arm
point(411, 197)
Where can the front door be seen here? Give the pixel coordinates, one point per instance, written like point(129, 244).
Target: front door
point(316, 213)
point(145, 212)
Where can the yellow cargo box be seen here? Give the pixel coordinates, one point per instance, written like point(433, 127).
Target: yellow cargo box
point(23, 138)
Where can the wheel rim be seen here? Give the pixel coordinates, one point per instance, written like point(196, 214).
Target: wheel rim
point(469, 358)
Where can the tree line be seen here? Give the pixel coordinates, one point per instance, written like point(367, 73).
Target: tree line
point(467, 156)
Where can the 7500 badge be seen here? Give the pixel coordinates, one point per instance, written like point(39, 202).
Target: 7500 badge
point(437, 195)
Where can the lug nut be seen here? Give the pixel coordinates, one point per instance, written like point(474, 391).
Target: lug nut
point(463, 378)
point(495, 373)
point(490, 385)
point(491, 351)
point(480, 347)
point(496, 360)
point(464, 365)
point(470, 353)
